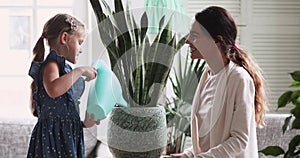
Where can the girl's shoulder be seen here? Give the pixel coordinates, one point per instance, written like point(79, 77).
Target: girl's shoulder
point(60, 60)
point(36, 67)
point(53, 56)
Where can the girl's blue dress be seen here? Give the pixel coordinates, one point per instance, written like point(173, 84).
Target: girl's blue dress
point(58, 132)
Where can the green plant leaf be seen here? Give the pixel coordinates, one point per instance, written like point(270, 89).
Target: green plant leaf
point(296, 111)
point(144, 25)
point(134, 30)
point(296, 75)
point(124, 38)
point(286, 124)
point(119, 6)
point(181, 42)
point(295, 142)
point(284, 99)
point(272, 150)
point(166, 34)
point(161, 22)
point(199, 69)
point(176, 87)
point(121, 34)
point(296, 100)
point(98, 10)
point(296, 123)
point(295, 84)
point(295, 95)
point(107, 7)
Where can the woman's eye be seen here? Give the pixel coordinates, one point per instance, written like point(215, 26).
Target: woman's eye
point(194, 35)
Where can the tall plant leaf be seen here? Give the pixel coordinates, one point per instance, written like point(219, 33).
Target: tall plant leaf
point(144, 26)
point(133, 58)
point(98, 10)
point(181, 42)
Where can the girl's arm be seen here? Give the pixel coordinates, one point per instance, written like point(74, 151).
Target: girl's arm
point(56, 85)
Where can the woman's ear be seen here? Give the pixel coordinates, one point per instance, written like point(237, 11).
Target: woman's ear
point(219, 40)
point(63, 38)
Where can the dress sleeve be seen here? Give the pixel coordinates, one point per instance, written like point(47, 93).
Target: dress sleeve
point(60, 60)
point(34, 70)
point(240, 125)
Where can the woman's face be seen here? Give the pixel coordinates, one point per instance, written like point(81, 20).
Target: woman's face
point(193, 38)
point(203, 46)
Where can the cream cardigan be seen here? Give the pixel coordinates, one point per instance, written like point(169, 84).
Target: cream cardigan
point(233, 132)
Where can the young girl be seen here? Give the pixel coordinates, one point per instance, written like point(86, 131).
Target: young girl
point(230, 101)
point(56, 90)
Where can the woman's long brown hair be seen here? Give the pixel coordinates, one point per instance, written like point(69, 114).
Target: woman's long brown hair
point(219, 23)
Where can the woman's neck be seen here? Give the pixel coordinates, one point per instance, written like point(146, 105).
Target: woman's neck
point(218, 66)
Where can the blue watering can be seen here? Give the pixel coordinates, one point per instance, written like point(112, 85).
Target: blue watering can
point(105, 92)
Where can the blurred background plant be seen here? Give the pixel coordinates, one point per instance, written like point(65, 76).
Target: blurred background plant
point(291, 122)
point(184, 81)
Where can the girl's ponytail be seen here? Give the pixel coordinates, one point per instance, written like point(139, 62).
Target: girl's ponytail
point(39, 53)
point(39, 50)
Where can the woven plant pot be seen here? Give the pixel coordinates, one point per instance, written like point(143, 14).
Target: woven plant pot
point(137, 132)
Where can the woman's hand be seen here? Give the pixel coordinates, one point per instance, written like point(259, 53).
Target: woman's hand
point(89, 120)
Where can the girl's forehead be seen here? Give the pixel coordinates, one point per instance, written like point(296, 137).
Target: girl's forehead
point(80, 32)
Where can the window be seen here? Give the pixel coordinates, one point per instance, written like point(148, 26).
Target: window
point(22, 24)
point(274, 36)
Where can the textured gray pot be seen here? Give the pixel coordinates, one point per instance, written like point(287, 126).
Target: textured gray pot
point(137, 132)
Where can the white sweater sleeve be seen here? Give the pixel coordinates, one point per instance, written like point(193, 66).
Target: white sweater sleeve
point(240, 126)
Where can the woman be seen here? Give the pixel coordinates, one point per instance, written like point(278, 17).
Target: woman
point(230, 101)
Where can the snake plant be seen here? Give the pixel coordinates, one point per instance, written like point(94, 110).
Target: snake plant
point(141, 66)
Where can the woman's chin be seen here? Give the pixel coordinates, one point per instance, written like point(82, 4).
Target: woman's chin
point(194, 56)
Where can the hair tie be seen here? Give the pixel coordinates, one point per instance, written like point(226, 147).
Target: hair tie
point(233, 49)
point(234, 46)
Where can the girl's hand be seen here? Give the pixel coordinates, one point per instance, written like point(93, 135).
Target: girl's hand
point(89, 72)
point(89, 120)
